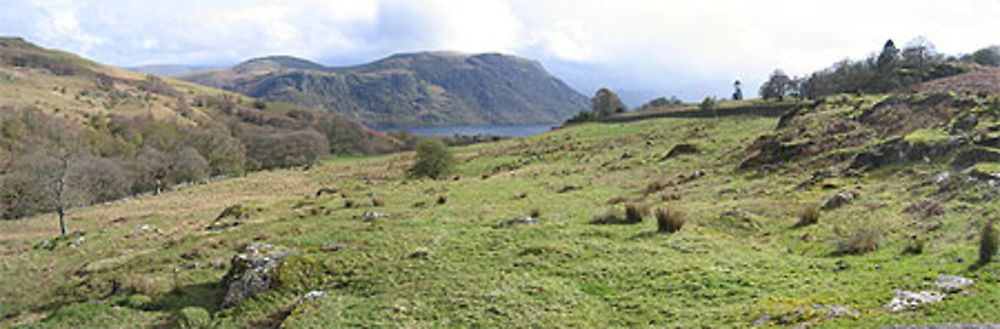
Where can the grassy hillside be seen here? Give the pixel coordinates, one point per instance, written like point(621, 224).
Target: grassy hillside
point(434, 256)
point(120, 133)
point(418, 89)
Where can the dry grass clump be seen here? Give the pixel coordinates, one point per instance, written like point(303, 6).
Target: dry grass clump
point(858, 241)
point(669, 220)
point(348, 203)
point(634, 213)
point(808, 215)
point(987, 242)
point(535, 213)
point(377, 202)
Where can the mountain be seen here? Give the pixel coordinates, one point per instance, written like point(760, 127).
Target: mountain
point(168, 70)
point(414, 89)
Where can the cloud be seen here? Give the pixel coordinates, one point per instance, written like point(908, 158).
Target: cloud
point(685, 48)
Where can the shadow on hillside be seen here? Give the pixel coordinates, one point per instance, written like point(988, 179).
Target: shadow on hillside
point(207, 295)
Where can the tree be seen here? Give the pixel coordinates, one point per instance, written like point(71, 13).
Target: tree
point(738, 94)
point(707, 104)
point(150, 171)
point(888, 57)
point(37, 183)
point(989, 56)
point(434, 160)
point(777, 86)
point(187, 165)
point(606, 103)
point(94, 180)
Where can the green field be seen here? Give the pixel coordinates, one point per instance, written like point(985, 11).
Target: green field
point(427, 264)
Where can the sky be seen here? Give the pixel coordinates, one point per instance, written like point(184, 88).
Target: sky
point(690, 49)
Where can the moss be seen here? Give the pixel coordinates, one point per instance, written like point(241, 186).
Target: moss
point(927, 136)
point(194, 318)
point(303, 272)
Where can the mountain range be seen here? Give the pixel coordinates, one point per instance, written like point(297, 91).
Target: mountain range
point(412, 89)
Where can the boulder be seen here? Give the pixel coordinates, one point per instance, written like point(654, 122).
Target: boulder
point(252, 273)
point(905, 300)
point(952, 283)
point(838, 200)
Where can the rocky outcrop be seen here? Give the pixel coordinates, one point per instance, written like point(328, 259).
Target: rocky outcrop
point(252, 272)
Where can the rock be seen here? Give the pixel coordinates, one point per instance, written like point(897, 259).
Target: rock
point(237, 211)
point(420, 253)
point(838, 200)
point(45, 244)
point(680, 149)
point(309, 297)
point(333, 246)
point(251, 274)
point(950, 284)
point(964, 124)
point(257, 248)
point(907, 299)
point(626, 156)
point(217, 264)
point(146, 228)
point(370, 216)
point(517, 221)
point(569, 187)
point(326, 190)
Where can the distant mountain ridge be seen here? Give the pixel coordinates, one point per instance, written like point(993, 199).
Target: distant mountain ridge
point(168, 70)
point(412, 89)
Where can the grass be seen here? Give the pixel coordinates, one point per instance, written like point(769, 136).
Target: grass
point(563, 272)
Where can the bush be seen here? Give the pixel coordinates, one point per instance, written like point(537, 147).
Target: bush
point(809, 215)
point(669, 220)
point(987, 242)
point(858, 241)
point(194, 317)
point(634, 213)
point(434, 160)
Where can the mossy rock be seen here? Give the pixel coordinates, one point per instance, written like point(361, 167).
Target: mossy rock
point(194, 317)
point(303, 272)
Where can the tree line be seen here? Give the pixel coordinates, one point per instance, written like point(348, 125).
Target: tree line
point(889, 69)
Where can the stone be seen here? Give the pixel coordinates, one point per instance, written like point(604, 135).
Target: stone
point(905, 300)
point(252, 273)
point(309, 297)
point(518, 221)
point(950, 284)
point(217, 264)
point(333, 246)
point(257, 248)
point(838, 200)
point(145, 228)
point(420, 253)
point(370, 216)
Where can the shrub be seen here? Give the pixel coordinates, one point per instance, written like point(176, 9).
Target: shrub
point(669, 220)
point(858, 241)
point(809, 215)
point(634, 213)
point(434, 160)
point(987, 242)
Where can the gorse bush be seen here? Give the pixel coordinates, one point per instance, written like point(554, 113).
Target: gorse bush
point(434, 160)
point(669, 220)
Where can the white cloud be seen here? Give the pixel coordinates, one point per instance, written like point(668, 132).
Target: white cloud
point(689, 48)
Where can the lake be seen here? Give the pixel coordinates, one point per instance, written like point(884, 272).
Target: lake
point(496, 130)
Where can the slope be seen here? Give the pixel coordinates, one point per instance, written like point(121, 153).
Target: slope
point(432, 253)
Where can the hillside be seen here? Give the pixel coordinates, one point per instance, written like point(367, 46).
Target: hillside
point(118, 133)
point(851, 211)
point(418, 89)
point(168, 70)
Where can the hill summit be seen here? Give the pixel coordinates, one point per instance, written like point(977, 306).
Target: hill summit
point(412, 89)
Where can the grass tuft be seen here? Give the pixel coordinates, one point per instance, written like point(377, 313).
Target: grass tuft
point(987, 242)
point(669, 220)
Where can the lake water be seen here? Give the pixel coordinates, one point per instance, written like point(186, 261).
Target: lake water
point(497, 130)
